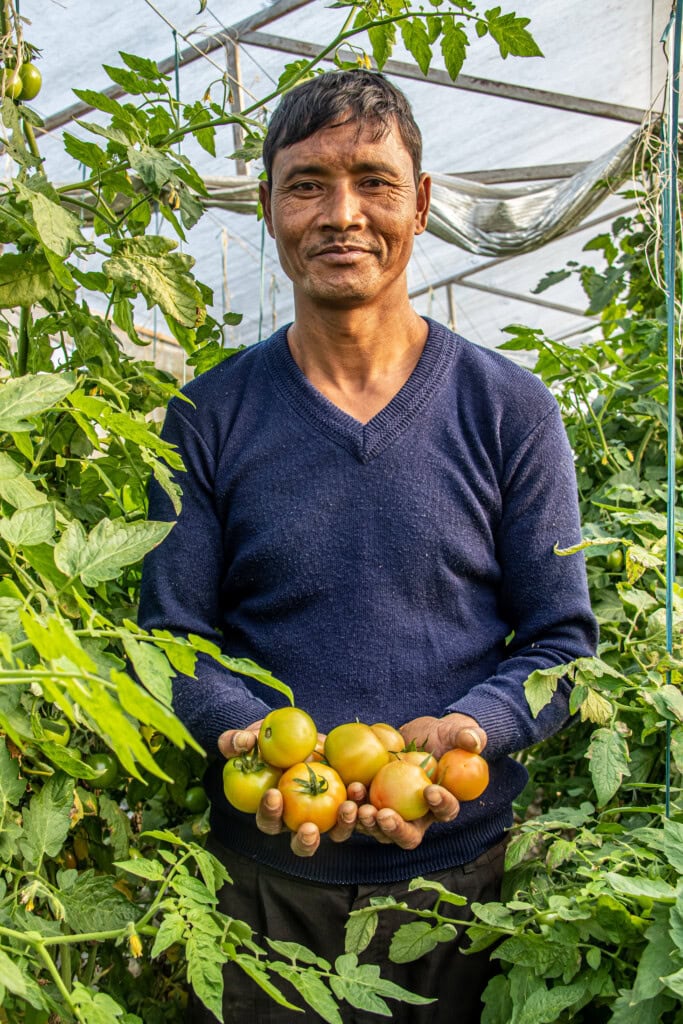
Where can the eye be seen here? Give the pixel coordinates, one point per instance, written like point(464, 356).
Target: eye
point(303, 186)
point(375, 183)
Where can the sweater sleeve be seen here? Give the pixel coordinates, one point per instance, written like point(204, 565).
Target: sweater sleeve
point(180, 590)
point(544, 596)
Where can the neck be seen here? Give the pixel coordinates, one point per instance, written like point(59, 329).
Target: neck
point(358, 358)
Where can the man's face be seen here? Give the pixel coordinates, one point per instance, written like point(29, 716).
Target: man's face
point(343, 208)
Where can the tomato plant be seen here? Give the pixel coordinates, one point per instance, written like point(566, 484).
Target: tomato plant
point(287, 736)
point(196, 801)
point(463, 773)
point(12, 85)
point(422, 758)
point(58, 730)
point(246, 779)
point(355, 751)
point(400, 785)
point(311, 793)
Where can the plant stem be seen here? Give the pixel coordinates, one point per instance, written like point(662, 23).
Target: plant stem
point(30, 137)
point(23, 342)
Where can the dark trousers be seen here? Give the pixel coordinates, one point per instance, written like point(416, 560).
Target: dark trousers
point(286, 908)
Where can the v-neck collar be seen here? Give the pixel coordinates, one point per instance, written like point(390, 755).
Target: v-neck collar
point(363, 440)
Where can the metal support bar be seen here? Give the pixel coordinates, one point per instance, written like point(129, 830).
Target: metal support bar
point(542, 172)
point(233, 60)
point(186, 56)
point(502, 90)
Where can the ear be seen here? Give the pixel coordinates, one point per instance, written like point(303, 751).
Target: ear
point(264, 197)
point(424, 195)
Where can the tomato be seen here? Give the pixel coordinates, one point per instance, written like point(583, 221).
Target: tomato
point(245, 780)
point(426, 761)
point(57, 730)
point(107, 768)
point(311, 792)
point(400, 785)
point(615, 560)
point(287, 736)
point(390, 737)
point(11, 83)
point(70, 861)
point(463, 773)
point(356, 752)
point(196, 799)
point(31, 81)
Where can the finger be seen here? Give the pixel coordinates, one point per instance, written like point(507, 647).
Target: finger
point(306, 840)
point(357, 792)
point(236, 741)
point(269, 814)
point(367, 824)
point(442, 804)
point(406, 834)
point(471, 738)
point(347, 815)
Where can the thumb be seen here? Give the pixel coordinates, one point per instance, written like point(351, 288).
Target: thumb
point(471, 738)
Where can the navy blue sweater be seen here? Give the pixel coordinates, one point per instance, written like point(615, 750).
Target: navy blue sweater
point(377, 569)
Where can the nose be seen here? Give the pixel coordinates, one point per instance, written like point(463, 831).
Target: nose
point(342, 210)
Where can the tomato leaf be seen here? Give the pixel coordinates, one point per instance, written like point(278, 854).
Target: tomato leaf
point(360, 929)
point(109, 547)
point(25, 279)
point(609, 757)
point(46, 820)
point(30, 395)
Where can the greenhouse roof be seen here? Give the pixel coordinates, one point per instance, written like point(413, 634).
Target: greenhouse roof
point(513, 121)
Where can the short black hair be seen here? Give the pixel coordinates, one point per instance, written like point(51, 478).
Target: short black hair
point(366, 97)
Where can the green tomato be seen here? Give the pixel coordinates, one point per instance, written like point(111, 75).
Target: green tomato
point(57, 730)
point(107, 768)
point(31, 81)
point(246, 779)
point(615, 560)
point(196, 799)
point(287, 736)
point(12, 85)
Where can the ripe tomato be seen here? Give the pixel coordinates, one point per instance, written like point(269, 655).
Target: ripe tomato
point(355, 752)
point(463, 773)
point(426, 761)
point(287, 736)
point(31, 81)
point(311, 792)
point(245, 780)
point(400, 785)
point(107, 768)
point(390, 737)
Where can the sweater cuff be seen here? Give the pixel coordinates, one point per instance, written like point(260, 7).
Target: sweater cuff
point(493, 718)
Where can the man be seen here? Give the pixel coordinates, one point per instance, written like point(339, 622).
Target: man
point(370, 510)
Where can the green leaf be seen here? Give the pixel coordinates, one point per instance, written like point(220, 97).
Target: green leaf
point(242, 665)
point(411, 941)
point(152, 870)
point(511, 34)
point(87, 153)
point(149, 266)
point(120, 832)
point(205, 959)
point(31, 395)
point(658, 951)
point(360, 928)
point(638, 886)
point(25, 279)
point(134, 84)
point(382, 40)
point(92, 904)
point(537, 952)
point(11, 976)
point(609, 757)
point(57, 228)
point(416, 41)
point(143, 66)
point(171, 930)
point(561, 851)
point(47, 820)
point(445, 895)
point(312, 990)
point(541, 685)
point(152, 668)
point(29, 526)
point(454, 43)
point(12, 786)
point(156, 169)
point(675, 982)
point(107, 549)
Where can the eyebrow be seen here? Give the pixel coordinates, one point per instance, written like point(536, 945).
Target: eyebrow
point(363, 167)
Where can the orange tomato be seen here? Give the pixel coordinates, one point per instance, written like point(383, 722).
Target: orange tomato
point(311, 792)
point(463, 773)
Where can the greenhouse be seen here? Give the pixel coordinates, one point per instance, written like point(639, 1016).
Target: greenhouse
point(341, 542)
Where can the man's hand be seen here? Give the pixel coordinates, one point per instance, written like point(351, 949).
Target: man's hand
point(387, 826)
point(306, 840)
point(437, 735)
point(238, 741)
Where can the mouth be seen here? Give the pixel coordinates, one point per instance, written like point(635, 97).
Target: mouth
point(341, 253)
